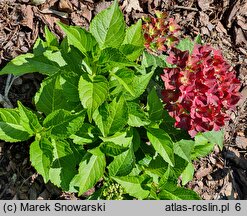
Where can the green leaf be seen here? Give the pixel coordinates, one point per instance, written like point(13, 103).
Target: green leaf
point(11, 129)
point(53, 57)
point(168, 180)
point(115, 90)
point(40, 47)
point(139, 85)
point(133, 185)
point(69, 84)
point(112, 149)
point(168, 125)
point(122, 164)
point(79, 37)
point(62, 123)
point(50, 96)
point(48, 64)
point(178, 194)
point(41, 156)
point(134, 34)
point(125, 78)
point(200, 140)
point(137, 116)
point(112, 117)
point(91, 169)
point(79, 152)
point(93, 91)
point(133, 43)
point(96, 151)
point(146, 149)
point(144, 159)
point(112, 57)
point(186, 44)
point(198, 39)
point(187, 174)
point(180, 166)
point(108, 27)
point(72, 56)
point(162, 143)
point(202, 150)
point(51, 39)
point(63, 167)
point(28, 119)
point(154, 106)
point(132, 52)
point(215, 137)
point(87, 133)
point(136, 139)
point(204, 144)
point(119, 138)
point(183, 149)
point(156, 166)
point(149, 60)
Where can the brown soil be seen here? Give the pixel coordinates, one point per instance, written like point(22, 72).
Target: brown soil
point(222, 23)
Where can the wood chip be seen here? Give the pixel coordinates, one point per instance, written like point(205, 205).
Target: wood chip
point(205, 31)
point(101, 6)
point(133, 5)
point(58, 13)
point(1, 148)
point(203, 172)
point(242, 22)
point(229, 193)
point(220, 28)
point(204, 4)
point(204, 18)
point(65, 6)
point(212, 160)
point(241, 142)
point(86, 13)
point(240, 37)
point(206, 196)
point(28, 16)
point(44, 195)
point(78, 20)
point(235, 8)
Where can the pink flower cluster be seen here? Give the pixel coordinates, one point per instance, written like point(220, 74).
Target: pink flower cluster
point(160, 33)
point(200, 89)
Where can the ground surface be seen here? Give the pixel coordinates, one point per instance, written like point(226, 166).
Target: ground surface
point(223, 23)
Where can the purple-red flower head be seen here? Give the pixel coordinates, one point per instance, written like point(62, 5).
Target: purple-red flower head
point(160, 32)
point(200, 90)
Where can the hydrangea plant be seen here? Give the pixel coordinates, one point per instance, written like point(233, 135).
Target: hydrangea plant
point(99, 117)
